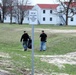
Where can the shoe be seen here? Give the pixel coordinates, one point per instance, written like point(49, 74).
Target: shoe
point(25, 49)
point(40, 50)
point(44, 50)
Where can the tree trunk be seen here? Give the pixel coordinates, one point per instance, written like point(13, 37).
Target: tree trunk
point(0, 17)
point(67, 18)
point(21, 21)
point(11, 18)
point(67, 10)
point(3, 16)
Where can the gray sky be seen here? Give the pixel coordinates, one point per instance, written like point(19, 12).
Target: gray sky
point(43, 1)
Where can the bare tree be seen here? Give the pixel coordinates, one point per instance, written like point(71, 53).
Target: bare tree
point(0, 13)
point(10, 5)
point(22, 10)
point(67, 8)
point(16, 11)
point(4, 4)
point(14, 8)
point(7, 4)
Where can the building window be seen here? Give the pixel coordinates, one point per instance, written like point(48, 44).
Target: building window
point(72, 19)
point(43, 11)
point(50, 19)
point(28, 18)
point(50, 11)
point(43, 18)
point(4, 18)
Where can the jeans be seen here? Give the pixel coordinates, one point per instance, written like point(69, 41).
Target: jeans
point(25, 45)
point(42, 46)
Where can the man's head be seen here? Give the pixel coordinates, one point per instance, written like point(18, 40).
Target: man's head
point(42, 31)
point(24, 31)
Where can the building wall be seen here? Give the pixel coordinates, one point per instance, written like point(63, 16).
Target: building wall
point(50, 18)
point(26, 20)
point(7, 19)
point(72, 22)
point(38, 9)
point(47, 15)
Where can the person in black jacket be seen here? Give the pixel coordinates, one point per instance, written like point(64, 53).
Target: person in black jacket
point(43, 37)
point(24, 40)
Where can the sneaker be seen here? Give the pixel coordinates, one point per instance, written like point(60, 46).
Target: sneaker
point(40, 50)
point(25, 49)
point(44, 50)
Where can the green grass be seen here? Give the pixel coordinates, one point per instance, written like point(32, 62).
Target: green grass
point(10, 35)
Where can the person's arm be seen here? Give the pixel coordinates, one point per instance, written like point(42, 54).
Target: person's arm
point(40, 35)
point(21, 38)
point(45, 35)
point(28, 36)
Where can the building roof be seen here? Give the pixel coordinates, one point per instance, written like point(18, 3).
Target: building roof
point(26, 7)
point(48, 6)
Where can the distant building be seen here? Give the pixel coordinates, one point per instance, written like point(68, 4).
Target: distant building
point(53, 14)
point(46, 13)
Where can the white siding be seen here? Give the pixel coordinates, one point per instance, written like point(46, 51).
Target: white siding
point(7, 19)
point(26, 20)
point(47, 16)
point(38, 9)
point(72, 23)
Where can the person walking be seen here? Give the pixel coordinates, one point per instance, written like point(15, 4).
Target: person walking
point(24, 40)
point(43, 38)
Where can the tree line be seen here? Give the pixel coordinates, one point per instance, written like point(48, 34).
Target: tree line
point(15, 8)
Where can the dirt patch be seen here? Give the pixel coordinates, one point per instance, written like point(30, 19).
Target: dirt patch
point(55, 30)
point(4, 62)
point(3, 72)
point(59, 60)
point(4, 59)
point(48, 30)
point(4, 55)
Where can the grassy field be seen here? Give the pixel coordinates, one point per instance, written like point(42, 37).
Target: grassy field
point(17, 62)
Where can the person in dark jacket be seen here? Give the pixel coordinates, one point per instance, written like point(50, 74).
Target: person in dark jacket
point(43, 38)
point(24, 40)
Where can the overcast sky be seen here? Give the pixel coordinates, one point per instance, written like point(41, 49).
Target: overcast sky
point(33, 2)
point(43, 1)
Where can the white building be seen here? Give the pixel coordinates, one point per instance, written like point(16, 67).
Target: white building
point(51, 14)
point(46, 13)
